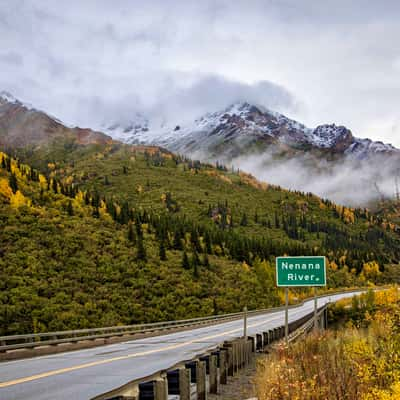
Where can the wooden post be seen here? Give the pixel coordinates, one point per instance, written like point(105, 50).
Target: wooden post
point(235, 357)
point(326, 317)
point(213, 375)
point(230, 361)
point(259, 341)
point(160, 389)
point(184, 384)
point(223, 373)
point(201, 380)
point(253, 343)
point(243, 345)
point(245, 322)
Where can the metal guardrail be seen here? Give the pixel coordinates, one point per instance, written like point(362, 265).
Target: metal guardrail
point(238, 353)
point(26, 341)
point(308, 325)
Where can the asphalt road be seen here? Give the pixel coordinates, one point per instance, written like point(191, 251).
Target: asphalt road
point(85, 374)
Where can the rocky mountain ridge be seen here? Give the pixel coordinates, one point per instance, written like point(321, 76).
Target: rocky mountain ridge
point(22, 125)
point(242, 125)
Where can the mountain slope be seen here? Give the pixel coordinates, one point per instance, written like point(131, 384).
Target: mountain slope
point(22, 125)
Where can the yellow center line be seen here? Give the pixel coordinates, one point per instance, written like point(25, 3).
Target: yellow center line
point(109, 360)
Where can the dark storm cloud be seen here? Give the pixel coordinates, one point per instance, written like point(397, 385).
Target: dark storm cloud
point(90, 60)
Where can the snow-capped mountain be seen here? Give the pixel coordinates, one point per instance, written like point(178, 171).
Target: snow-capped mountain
point(242, 128)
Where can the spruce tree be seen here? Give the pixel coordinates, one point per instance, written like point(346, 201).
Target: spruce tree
point(162, 252)
point(185, 261)
point(138, 225)
point(70, 209)
point(131, 234)
point(177, 245)
point(195, 271)
point(96, 212)
point(207, 241)
point(12, 181)
point(55, 185)
point(141, 250)
point(195, 259)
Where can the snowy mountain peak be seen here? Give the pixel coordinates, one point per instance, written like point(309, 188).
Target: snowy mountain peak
point(8, 97)
point(331, 135)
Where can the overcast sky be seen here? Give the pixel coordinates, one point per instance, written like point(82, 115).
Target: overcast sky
point(317, 61)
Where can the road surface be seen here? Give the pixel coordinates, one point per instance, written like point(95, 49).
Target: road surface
point(84, 374)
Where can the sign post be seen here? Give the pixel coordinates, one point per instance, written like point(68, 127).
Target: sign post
point(245, 322)
point(315, 309)
point(287, 315)
point(300, 271)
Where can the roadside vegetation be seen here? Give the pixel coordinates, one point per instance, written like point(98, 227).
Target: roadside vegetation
point(359, 361)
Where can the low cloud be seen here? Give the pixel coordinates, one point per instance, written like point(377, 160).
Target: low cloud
point(180, 101)
point(349, 182)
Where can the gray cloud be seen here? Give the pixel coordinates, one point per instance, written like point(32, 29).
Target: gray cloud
point(351, 182)
point(89, 60)
point(11, 58)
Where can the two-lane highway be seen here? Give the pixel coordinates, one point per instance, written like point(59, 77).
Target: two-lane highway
point(85, 374)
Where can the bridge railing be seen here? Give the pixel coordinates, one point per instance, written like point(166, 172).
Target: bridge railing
point(26, 341)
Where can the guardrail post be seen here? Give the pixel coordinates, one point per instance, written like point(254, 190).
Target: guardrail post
point(322, 319)
point(223, 373)
point(213, 374)
point(253, 344)
point(184, 384)
point(245, 322)
point(265, 339)
point(249, 345)
point(269, 335)
point(161, 389)
point(243, 351)
point(201, 380)
point(206, 359)
point(259, 343)
point(247, 351)
point(240, 354)
point(230, 361)
point(235, 357)
point(326, 317)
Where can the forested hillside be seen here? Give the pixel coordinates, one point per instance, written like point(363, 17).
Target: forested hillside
point(111, 234)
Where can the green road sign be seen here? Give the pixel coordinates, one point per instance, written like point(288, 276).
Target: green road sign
point(301, 271)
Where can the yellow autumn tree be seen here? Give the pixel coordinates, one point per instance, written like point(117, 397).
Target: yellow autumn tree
point(370, 271)
point(5, 189)
point(18, 200)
